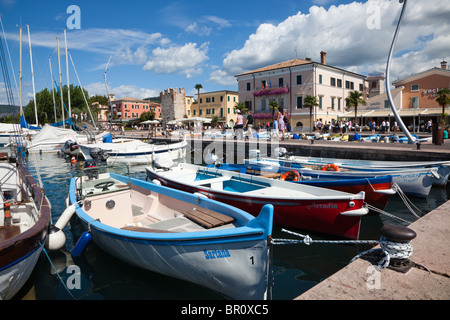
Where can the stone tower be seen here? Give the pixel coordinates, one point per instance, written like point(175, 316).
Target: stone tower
point(172, 104)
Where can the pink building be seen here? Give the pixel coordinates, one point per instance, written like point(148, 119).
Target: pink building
point(131, 108)
point(290, 82)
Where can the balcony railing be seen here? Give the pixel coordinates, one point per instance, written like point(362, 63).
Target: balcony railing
point(271, 91)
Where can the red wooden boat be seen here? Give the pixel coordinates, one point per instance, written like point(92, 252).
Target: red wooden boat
point(297, 206)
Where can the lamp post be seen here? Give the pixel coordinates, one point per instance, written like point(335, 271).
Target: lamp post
point(388, 66)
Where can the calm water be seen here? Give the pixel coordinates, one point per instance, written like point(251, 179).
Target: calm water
point(296, 268)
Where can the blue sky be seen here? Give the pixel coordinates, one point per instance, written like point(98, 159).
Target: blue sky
point(154, 45)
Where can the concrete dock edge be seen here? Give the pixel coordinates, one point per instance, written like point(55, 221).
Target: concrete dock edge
point(360, 280)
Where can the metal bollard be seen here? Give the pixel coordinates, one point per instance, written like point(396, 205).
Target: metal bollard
point(401, 235)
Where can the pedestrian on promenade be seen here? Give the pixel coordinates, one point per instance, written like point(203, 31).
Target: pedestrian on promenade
point(249, 124)
point(239, 125)
point(281, 123)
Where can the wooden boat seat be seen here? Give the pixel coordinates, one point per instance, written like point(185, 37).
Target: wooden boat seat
point(8, 232)
point(207, 218)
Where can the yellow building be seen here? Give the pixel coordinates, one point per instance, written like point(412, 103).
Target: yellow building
point(218, 103)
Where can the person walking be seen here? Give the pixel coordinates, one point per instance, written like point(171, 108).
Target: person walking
point(239, 125)
point(281, 123)
point(249, 124)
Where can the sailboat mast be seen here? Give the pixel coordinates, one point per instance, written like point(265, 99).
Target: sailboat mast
point(20, 72)
point(53, 88)
point(32, 76)
point(67, 70)
point(60, 83)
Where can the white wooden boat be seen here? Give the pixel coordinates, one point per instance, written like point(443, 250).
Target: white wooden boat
point(175, 233)
point(298, 206)
point(412, 181)
point(24, 220)
point(134, 152)
point(443, 167)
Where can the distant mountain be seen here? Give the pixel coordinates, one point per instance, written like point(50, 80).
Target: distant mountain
point(154, 99)
point(8, 110)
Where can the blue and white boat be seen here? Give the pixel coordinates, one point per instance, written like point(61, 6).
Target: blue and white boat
point(416, 181)
point(178, 234)
point(440, 178)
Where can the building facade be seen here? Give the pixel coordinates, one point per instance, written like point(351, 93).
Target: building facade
point(414, 99)
point(290, 82)
point(129, 108)
point(218, 103)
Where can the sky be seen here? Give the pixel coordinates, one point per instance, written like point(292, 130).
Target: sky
point(155, 45)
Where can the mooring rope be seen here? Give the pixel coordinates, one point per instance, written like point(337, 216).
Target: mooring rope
point(409, 204)
point(390, 249)
point(56, 271)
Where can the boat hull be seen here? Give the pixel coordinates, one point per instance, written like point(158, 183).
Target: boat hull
point(204, 263)
point(175, 151)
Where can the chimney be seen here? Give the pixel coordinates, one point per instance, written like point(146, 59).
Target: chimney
point(444, 65)
point(323, 57)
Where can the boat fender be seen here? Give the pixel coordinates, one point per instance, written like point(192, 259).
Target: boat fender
point(81, 245)
point(292, 175)
point(73, 160)
point(330, 167)
point(56, 238)
point(157, 182)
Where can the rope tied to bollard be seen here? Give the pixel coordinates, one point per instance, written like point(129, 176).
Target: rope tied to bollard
point(401, 249)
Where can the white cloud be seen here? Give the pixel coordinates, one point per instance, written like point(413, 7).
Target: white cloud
point(187, 59)
point(345, 33)
point(196, 29)
point(134, 91)
point(221, 77)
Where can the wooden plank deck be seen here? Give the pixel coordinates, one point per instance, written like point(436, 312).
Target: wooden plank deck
point(208, 218)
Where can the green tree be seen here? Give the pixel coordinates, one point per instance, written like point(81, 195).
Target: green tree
point(214, 121)
point(46, 108)
point(197, 87)
point(148, 115)
point(310, 102)
point(443, 99)
point(103, 100)
point(353, 100)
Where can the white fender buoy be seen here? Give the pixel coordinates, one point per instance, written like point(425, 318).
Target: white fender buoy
point(56, 237)
point(156, 181)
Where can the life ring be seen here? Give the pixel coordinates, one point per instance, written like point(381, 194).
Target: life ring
point(291, 176)
point(331, 166)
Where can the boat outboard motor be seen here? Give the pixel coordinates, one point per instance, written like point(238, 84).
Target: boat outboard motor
point(69, 146)
point(91, 172)
point(98, 154)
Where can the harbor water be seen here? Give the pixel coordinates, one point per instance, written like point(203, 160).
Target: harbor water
point(295, 268)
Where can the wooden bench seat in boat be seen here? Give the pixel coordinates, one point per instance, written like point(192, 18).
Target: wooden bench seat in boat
point(207, 218)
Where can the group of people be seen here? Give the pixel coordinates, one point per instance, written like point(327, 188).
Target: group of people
point(83, 117)
point(280, 124)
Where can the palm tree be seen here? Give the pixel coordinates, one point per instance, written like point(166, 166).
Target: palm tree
point(443, 99)
point(353, 100)
point(273, 105)
point(310, 102)
point(198, 86)
point(240, 106)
